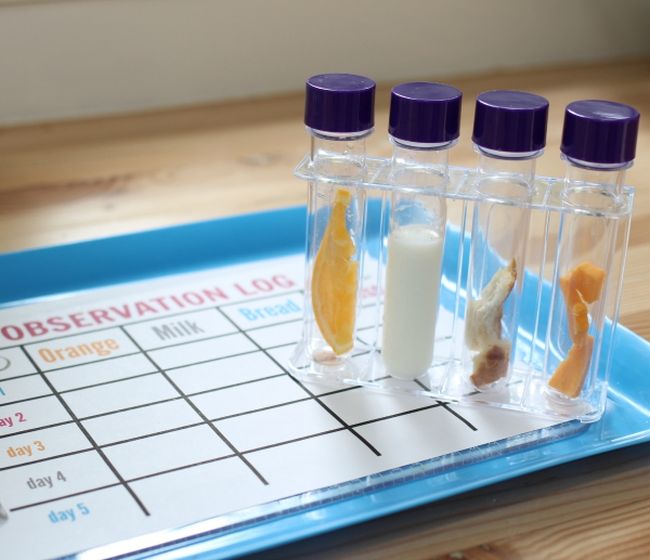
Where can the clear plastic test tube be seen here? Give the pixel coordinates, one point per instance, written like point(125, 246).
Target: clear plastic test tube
point(509, 135)
point(424, 124)
point(598, 146)
point(339, 115)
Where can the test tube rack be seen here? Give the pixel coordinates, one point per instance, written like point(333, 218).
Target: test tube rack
point(540, 333)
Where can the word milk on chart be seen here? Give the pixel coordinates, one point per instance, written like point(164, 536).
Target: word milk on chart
point(152, 405)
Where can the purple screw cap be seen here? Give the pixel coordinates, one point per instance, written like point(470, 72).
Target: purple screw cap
point(510, 121)
point(600, 131)
point(425, 112)
point(340, 103)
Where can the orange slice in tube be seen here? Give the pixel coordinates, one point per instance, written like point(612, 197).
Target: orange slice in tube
point(335, 278)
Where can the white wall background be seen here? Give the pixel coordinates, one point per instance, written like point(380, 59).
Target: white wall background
point(71, 58)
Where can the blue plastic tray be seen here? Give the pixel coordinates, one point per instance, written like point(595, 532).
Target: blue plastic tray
point(48, 272)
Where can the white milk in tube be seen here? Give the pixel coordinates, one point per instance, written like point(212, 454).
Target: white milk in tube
point(411, 300)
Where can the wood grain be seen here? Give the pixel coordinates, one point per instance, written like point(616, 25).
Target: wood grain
point(93, 178)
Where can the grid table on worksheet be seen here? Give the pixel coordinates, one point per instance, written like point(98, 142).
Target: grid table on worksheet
point(127, 416)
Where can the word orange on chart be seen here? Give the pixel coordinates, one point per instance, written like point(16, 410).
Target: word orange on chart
point(97, 348)
point(580, 287)
point(334, 281)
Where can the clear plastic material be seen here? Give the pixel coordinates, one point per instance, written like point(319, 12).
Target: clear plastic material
point(414, 228)
point(504, 187)
point(549, 226)
point(589, 268)
point(335, 246)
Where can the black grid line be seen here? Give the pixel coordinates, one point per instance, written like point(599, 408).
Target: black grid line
point(45, 459)
point(310, 393)
point(203, 391)
point(232, 385)
point(148, 403)
point(437, 404)
point(339, 419)
point(109, 382)
point(2, 380)
point(236, 453)
point(184, 467)
point(117, 411)
point(99, 359)
point(261, 409)
point(198, 411)
point(342, 390)
point(72, 495)
point(206, 461)
point(459, 416)
point(229, 416)
point(152, 434)
point(177, 428)
point(128, 408)
point(96, 360)
point(26, 399)
point(200, 362)
point(278, 324)
point(193, 341)
point(451, 411)
point(29, 430)
point(85, 432)
point(295, 440)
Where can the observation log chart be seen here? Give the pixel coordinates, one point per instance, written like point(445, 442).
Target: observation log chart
point(156, 404)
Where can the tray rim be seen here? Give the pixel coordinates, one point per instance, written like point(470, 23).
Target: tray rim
point(346, 511)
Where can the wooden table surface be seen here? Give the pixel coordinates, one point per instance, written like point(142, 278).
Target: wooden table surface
point(93, 178)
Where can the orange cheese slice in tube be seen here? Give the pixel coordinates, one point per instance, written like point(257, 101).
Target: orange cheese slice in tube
point(580, 286)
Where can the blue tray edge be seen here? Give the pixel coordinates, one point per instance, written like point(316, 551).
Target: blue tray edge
point(268, 234)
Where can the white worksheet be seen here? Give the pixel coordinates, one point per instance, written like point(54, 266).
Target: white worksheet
point(147, 406)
